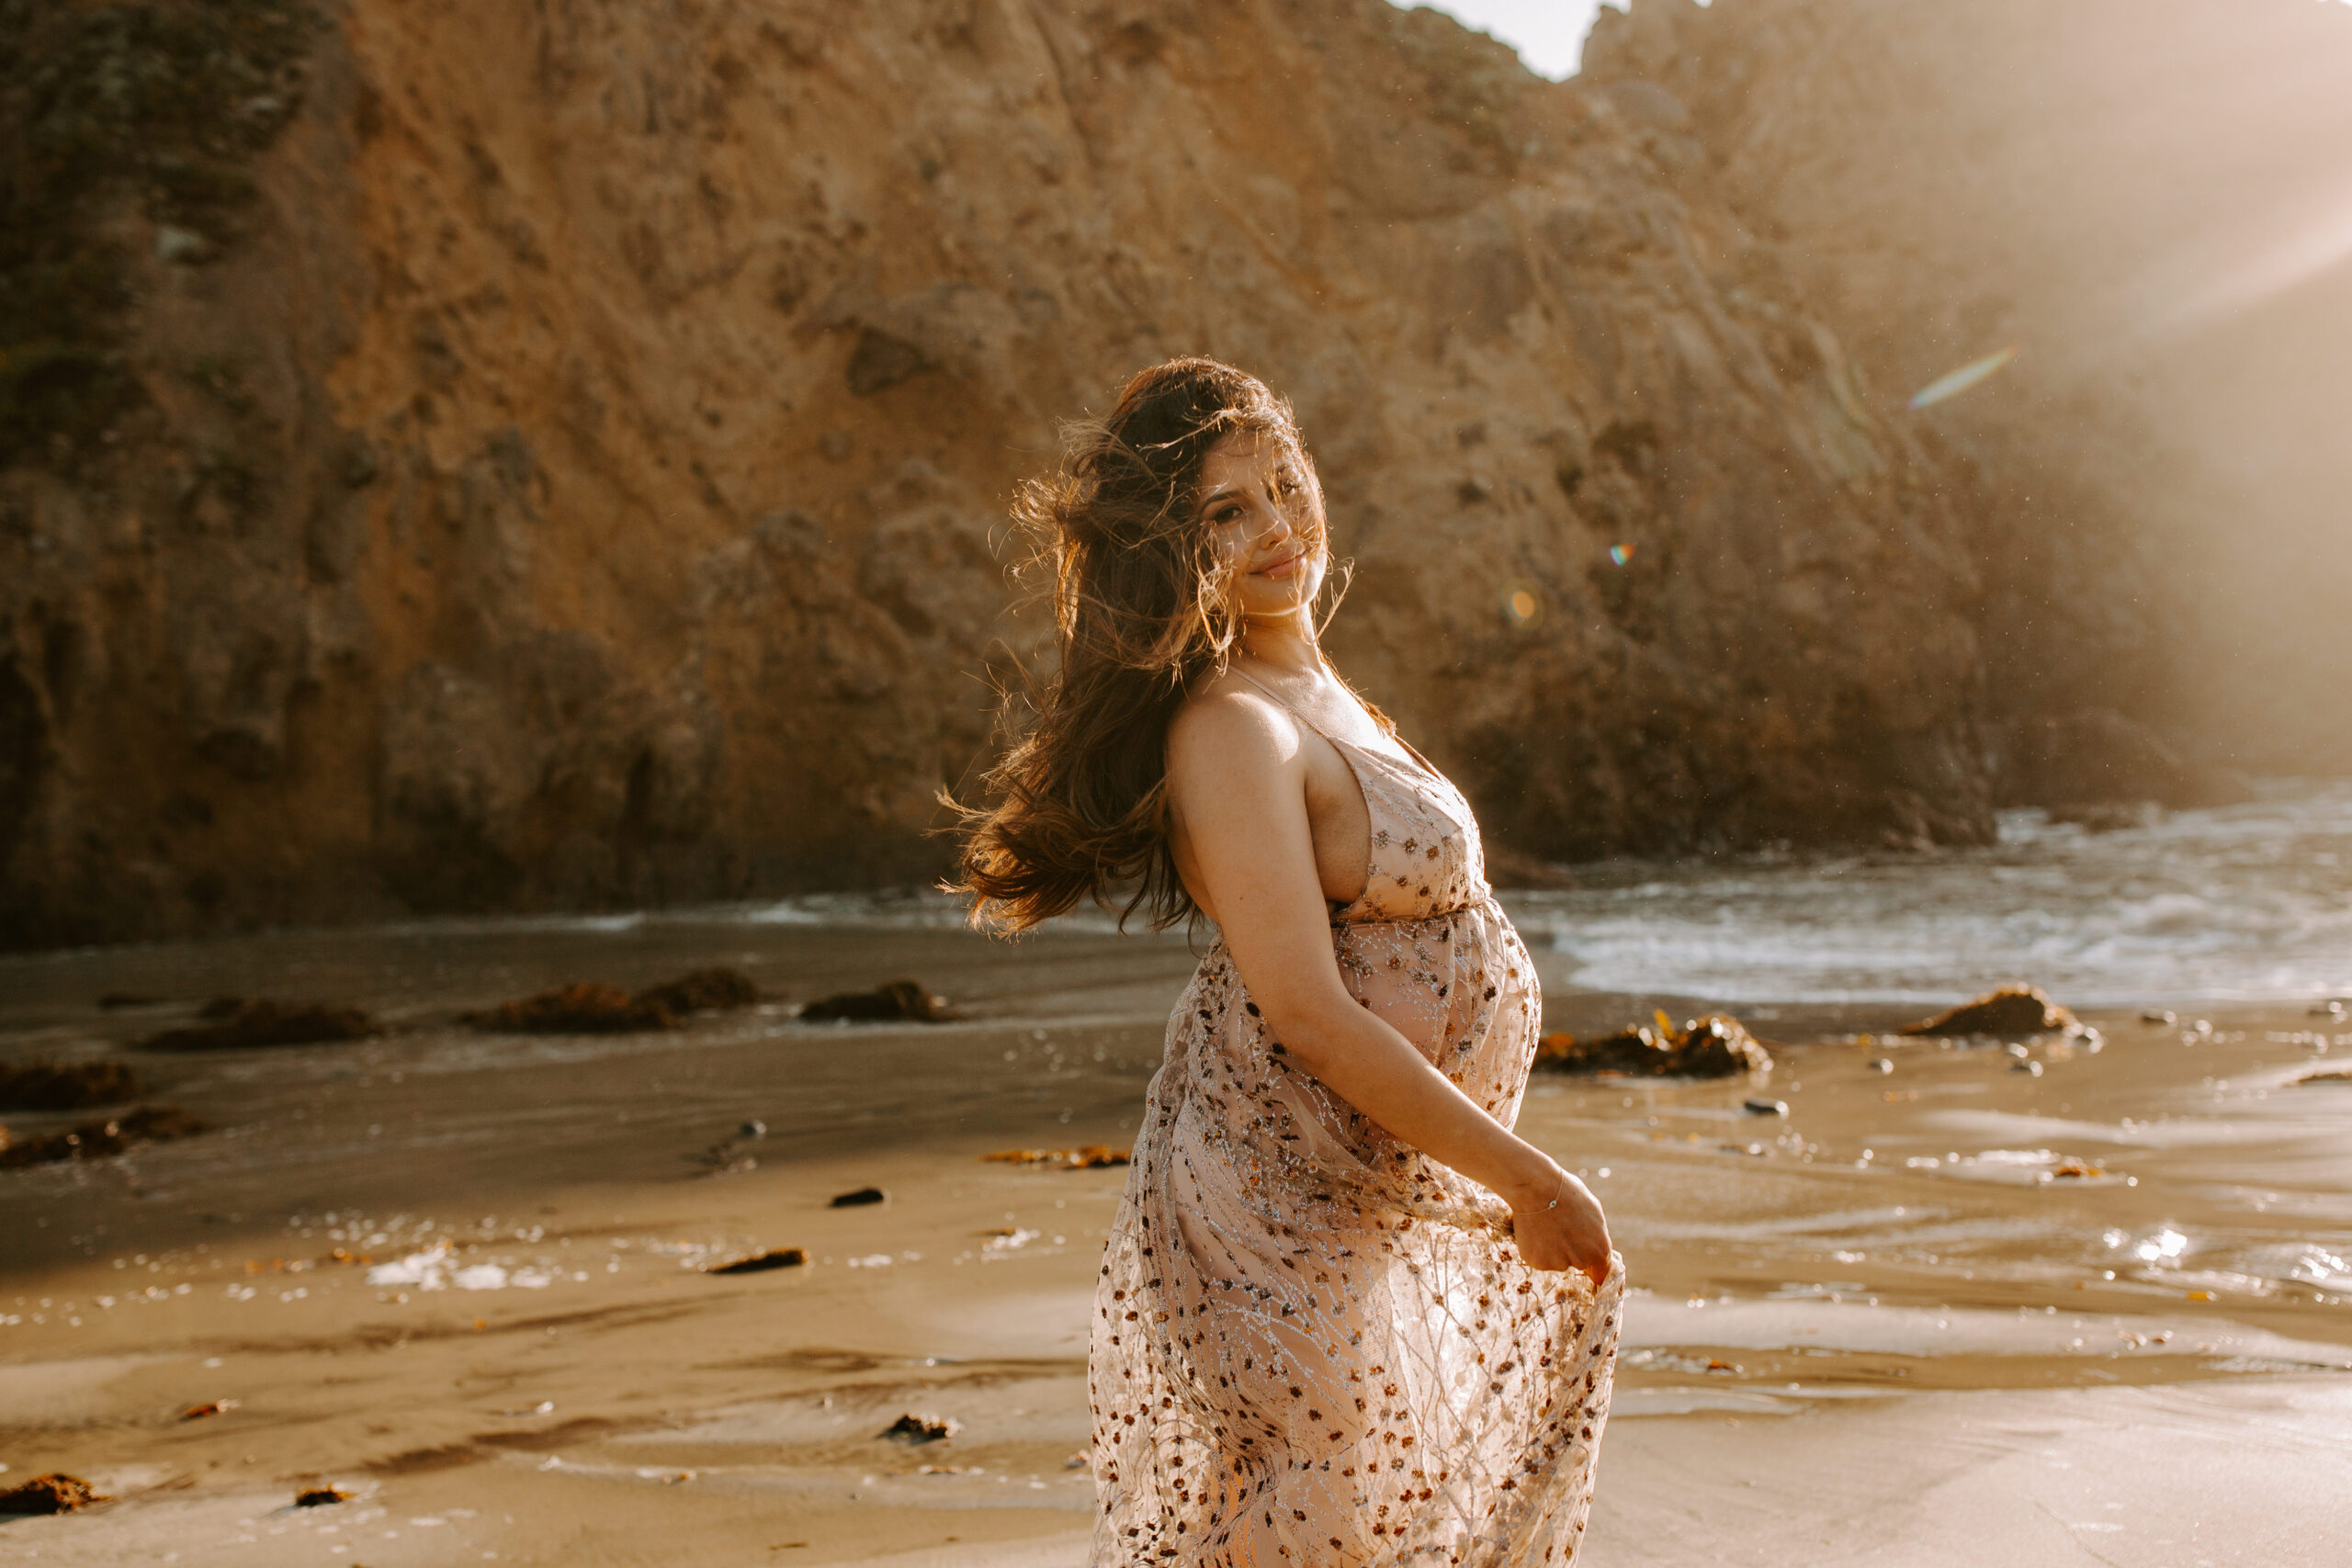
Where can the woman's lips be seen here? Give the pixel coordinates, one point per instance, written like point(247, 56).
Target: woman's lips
point(1281, 568)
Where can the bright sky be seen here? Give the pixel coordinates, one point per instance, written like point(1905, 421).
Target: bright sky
point(1548, 33)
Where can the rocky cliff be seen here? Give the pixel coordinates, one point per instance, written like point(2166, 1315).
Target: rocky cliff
point(494, 457)
point(2146, 200)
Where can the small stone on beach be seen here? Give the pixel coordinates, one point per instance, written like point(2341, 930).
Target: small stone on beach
point(915, 1429)
point(1766, 1107)
point(210, 1407)
point(760, 1263)
point(859, 1198)
point(322, 1497)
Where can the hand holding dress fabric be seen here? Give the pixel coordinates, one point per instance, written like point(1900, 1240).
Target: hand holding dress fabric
point(1568, 1231)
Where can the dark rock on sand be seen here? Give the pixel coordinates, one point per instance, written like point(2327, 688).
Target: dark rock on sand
point(320, 1497)
point(863, 1197)
point(2327, 1074)
point(232, 1023)
point(588, 1007)
point(914, 1428)
point(760, 1263)
point(56, 1086)
point(705, 990)
point(1716, 1046)
point(898, 999)
point(96, 1140)
point(595, 1008)
point(55, 1492)
point(2008, 1014)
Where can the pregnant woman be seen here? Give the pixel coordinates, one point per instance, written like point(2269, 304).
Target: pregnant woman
point(1345, 1315)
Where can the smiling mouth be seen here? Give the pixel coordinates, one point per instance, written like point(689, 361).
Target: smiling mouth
point(1281, 568)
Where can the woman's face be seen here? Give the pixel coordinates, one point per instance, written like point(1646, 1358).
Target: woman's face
point(1264, 515)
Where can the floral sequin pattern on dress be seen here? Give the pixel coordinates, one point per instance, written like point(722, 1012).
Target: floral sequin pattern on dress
point(1311, 1343)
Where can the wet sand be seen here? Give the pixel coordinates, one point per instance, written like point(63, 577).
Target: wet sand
point(1883, 1328)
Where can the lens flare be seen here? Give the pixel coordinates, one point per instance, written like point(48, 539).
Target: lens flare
point(1621, 554)
point(1522, 605)
point(2283, 263)
point(1960, 381)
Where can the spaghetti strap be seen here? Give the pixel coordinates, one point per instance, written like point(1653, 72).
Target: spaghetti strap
point(1267, 692)
point(1412, 753)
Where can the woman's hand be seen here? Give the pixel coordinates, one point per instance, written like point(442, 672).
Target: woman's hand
point(1571, 1233)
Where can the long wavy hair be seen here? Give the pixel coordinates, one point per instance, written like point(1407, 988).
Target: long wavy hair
point(1144, 616)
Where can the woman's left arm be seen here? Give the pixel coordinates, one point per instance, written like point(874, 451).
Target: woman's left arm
point(1240, 784)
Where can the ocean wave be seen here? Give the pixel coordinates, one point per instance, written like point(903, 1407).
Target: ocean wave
point(2250, 903)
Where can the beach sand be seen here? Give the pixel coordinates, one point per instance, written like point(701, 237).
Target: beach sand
point(465, 1278)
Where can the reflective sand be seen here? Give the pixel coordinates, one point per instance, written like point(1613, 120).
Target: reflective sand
point(1887, 1310)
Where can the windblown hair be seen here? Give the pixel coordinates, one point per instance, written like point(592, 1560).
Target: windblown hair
point(1144, 615)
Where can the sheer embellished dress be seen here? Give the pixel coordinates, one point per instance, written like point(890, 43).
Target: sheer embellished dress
point(1313, 1344)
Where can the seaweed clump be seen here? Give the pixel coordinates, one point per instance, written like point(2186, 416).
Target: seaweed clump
point(592, 1007)
point(1716, 1046)
point(66, 1086)
point(159, 104)
point(97, 1140)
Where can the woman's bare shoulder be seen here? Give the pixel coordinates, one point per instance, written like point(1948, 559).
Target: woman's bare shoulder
point(1229, 724)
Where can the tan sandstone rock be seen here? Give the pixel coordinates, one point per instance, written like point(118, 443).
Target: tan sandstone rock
point(575, 477)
